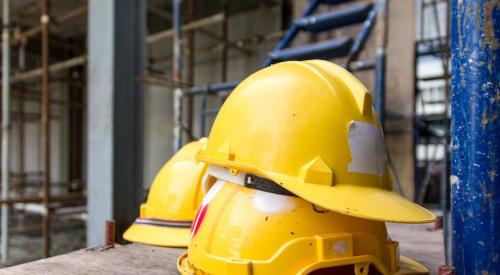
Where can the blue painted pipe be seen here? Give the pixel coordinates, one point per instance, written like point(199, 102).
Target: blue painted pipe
point(204, 91)
point(212, 88)
point(475, 136)
point(365, 32)
point(324, 50)
point(379, 103)
point(334, 19)
point(292, 32)
point(203, 107)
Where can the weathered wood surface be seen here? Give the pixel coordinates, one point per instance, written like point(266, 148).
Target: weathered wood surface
point(416, 241)
point(122, 259)
point(420, 242)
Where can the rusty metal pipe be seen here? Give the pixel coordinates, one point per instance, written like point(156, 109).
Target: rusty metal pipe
point(109, 238)
point(45, 30)
point(79, 12)
point(190, 66)
point(5, 128)
point(446, 270)
point(204, 22)
point(61, 198)
point(56, 67)
point(20, 102)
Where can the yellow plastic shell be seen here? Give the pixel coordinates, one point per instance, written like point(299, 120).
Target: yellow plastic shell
point(246, 231)
point(293, 123)
point(165, 219)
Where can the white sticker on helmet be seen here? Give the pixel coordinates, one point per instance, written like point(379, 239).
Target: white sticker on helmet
point(340, 247)
point(207, 181)
point(212, 192)
point(366, 142)
point(269, 202)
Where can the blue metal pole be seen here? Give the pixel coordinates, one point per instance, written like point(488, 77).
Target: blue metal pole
point(365, 32)
point(475, 136)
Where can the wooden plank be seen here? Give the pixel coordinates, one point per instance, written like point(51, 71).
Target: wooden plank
point(416, 241)
point(419, 242)
point(122, 259)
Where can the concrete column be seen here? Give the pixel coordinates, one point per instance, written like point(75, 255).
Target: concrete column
point(400, 98)
point(115, 114)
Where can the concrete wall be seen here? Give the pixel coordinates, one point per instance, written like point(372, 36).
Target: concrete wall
point(400, 101)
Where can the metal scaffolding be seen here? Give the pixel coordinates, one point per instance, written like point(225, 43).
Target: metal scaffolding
point(432, 119)
point(366, 13)
point(33, 84)
point(22, 83)
point(5, 129)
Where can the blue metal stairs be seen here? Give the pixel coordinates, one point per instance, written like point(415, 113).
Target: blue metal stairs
point(344, 17)
point(323, 50)
point(347, 47)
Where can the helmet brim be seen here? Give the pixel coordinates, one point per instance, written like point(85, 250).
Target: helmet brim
point(350, 199)
point(409, 266)
point(362, 202)
point(158, 235)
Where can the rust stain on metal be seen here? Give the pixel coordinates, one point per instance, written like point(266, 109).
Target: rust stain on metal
point(446, 270)
point(478, 22)
point(109, 238)
point(488, 118)
point(489, 25)
point(493, 174)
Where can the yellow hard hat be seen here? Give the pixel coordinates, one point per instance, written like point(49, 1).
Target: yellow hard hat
point(240, 230)
point(175, 195)
point(309, 126)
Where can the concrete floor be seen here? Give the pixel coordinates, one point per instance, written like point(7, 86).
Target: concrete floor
point(67, 235)
point(420, 242)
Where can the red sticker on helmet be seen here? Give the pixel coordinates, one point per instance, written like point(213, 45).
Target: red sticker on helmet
point(200, 215)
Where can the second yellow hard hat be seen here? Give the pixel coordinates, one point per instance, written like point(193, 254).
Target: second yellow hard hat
point(165, 219)
point(240, 230)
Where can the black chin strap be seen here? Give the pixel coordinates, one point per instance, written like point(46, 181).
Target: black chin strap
point(262, 184)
